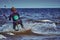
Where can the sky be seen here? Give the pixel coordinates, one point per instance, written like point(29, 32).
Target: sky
point(30, 3)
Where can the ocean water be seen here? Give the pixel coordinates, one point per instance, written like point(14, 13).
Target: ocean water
point(35, 13)
point(32, 16)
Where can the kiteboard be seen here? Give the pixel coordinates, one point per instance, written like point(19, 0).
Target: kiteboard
point(22, 32)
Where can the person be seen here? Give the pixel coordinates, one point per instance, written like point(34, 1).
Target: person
point(16, 18)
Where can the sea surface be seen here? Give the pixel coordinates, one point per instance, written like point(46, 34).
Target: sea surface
point(31, 15)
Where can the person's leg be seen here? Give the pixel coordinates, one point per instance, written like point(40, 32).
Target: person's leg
point(20, 22)
point(21, 25)
point(14, 25)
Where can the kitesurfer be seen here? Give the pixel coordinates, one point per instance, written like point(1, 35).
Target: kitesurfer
point(15, 17)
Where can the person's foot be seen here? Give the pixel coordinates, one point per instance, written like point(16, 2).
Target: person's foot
point(16, 29)
point(23, 28)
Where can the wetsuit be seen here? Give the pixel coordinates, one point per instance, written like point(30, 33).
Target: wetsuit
point(17, 21)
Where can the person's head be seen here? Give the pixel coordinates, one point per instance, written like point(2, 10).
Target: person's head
point(13, 9)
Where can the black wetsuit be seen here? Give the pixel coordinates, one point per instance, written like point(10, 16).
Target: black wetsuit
point(19, 21)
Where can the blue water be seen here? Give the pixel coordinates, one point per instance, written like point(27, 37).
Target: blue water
point(28, 14)
point(52, 14)
point(35, 13)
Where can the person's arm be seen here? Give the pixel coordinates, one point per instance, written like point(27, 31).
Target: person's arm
point(19, 18)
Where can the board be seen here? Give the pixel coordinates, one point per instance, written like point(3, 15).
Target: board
point(23, 32)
